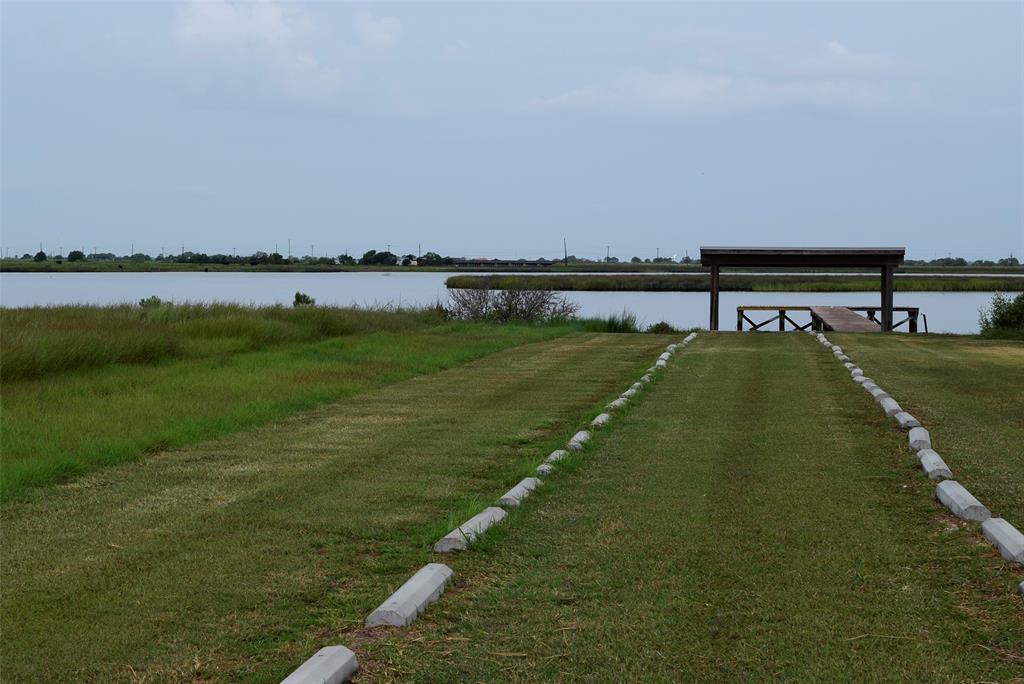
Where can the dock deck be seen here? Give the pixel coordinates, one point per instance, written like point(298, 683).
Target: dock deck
point(843, 319)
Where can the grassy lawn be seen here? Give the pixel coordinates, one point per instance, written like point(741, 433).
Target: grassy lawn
point(752, 517)
point(969, 393)
point(86, 387)
point(233, 560)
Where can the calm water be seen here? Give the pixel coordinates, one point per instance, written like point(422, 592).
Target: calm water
point(947, 312)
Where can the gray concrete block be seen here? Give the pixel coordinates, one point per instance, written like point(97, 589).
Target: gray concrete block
point(412, 598)
point(906, 421)
point(628, 394)
point(661, 363)
point(556, 456)
point(515, 496)
point(933, 465)
point(848, 365)
point(1007, 538)
point(836, 349)
point(879, 394)
point(545, 469)
point(690, 337)
point(842, 357)
point(860, 379)
point(919, 439)
point(647, 378)
point(961, 502)
point(665, 356)
point(578, 440)
point(601, 420)
point(890, 406)
point(672, 348)
point(618, 403)
point(329, 665)
point(856, 372)
point(652, 369)
point(465, 534)
point(867, 384)
point(637, 386)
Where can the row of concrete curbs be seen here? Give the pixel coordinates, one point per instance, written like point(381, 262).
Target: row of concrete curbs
point(336, 664)
point(950, 493)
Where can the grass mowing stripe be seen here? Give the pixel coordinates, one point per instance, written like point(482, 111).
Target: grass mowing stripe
point(748, 519)
point(104, 416)
point(234, 560)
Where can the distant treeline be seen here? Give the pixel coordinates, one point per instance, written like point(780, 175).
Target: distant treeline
point(731, 282)
point(386, 258)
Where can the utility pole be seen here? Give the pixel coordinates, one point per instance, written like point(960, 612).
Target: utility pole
point(182, 249)
point(657, 252)
point(311, 255)
point(131, 253)
point(607, 253)
point(289, 249)
point(565, 252)
point(389, 247)
point(419, 250)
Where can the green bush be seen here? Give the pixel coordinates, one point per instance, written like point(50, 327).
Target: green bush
point(1003, 315)
point(661, 328)
point(303, 299)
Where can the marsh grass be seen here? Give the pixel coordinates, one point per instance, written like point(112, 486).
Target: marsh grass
point(731, 282)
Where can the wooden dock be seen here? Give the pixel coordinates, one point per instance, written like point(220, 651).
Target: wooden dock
point(842, 319)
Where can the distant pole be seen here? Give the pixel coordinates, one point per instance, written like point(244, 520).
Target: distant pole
point(607, 252)
point(182, 249)
point(657, 252)
point(565, 252)
point(419, 250)
point(289, 249)
point(389, 247)
point(133, 250)
point(311, 250)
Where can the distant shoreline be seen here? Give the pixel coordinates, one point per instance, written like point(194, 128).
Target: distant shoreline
point(619, 270)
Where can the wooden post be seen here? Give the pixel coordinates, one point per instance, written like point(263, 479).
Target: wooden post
point(887, 288)
point(739, 319)
point(782, 320)
point(913, 320)
point(714, 299)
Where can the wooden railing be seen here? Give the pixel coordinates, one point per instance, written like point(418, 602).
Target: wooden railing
point(782, 316)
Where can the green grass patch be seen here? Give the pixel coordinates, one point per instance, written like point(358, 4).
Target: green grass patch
point(235, 559)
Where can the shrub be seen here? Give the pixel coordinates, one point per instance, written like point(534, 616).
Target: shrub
point(507, 306)
point(1003, 314)
point(76, 255)
point(40, 256)
point(661, 328)
point(303, 299)
point(151, 302)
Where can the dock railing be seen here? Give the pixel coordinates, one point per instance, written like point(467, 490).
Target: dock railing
point(782, 317)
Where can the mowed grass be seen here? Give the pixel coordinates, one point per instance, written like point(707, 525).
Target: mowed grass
point(87, 387)
point(236, 559)
point(750, 518)
point(969, 393)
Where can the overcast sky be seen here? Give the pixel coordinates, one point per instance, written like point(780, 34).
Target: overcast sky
point(497, 129)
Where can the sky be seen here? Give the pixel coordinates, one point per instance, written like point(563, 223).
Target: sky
point(498, 129)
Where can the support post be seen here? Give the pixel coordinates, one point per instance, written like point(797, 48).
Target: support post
point(887, 288)
point(782, 320)
point(713, 327)
point(913, 320)
point(739, 319)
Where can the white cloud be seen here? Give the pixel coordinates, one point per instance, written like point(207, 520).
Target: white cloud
point(380, 35)
point(281, 43)
point(832, 78)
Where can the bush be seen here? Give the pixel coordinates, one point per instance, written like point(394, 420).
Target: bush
point(303, 299)
point(661, 328)
point(40, 256)
point(76, 255)
point(507, 306)
point(151, 302)
point(1003, 314)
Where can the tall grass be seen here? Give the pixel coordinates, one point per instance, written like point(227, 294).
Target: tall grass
point(41, 341)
